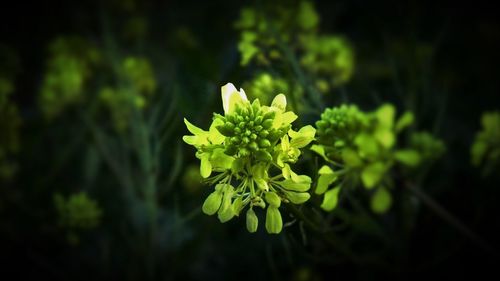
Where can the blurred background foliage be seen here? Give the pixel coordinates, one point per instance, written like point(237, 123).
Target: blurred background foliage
point(95, 182)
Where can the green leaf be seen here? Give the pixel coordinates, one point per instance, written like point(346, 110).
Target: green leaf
point(367, 145)
point(212, 203)
point(206, 166)
point(252, 221)
point(288, 117)
point(385, 115)
point(221, 161)
point(295, 186)
point(372, 174)
point(326, 177)
point(297, 197)
point(408, 157)
point(404, 121)
point(303, 137)
point(381, 201)
point(330, 199)
point(478, 151)
point(193, 129)
point(351, 158)
point(319, 149)
point(274, 223)
point(385, 137)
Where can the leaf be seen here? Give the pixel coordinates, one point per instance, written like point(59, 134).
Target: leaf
point(295, 186)
point(303, 137)
point(319, 149)
point(221, 161)
point(351, 158)
point(381, 201)
point(274, 223)
point(330, 199)
point(385, 137)
point(404, 121)
point(385, 115)
point(214, 136)
point(408, 157)
point(205, 166)
point(212, 203)
point(288, 117)
point(372, 174)
point(297, 197)
point(367, 145)
point(193, 129)
point(326, 177)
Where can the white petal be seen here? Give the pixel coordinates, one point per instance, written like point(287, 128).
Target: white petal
point(243, 95)
point(226, 91)
point(279, 102)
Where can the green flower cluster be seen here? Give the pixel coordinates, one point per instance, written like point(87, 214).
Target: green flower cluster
point(331, 58)
point(244, 146)
point(260, 29)
point(361, 146)
point(486, 147)
point(264, 86)
point(78, 212)
point(138, 85)
point(68, 69)
point(10, 122)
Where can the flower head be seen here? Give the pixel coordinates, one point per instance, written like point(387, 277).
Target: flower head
point(242, 146)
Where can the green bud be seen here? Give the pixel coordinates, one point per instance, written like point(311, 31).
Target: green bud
point(252, 221)
point(263, 156)
point(267, 123)
point(274, 223)
point(212, 203)
point(273, 199)
point(264, 143)
point(263, 133)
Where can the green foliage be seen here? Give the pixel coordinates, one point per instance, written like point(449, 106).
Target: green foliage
point(77, 212)
point(68, 69)
point(10, 123)
point(243, 146)
point(137, 86)
point(264, 86)
point(262, 29)
point(485, 150)
point(428, 146)
point(330, 58)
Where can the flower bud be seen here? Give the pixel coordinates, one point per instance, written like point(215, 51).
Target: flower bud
point(252, 221)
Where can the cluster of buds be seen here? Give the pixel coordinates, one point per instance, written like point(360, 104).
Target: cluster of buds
point(241, 147)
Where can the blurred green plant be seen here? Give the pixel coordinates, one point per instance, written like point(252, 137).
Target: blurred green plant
point(136, 87)
point(260, 26)
point(360, 148)
point(77, 213)
point(485, 150)
point(330, 58)
point(10, 122)
point(245, 145)
point(69, 67)
point(264, 87)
